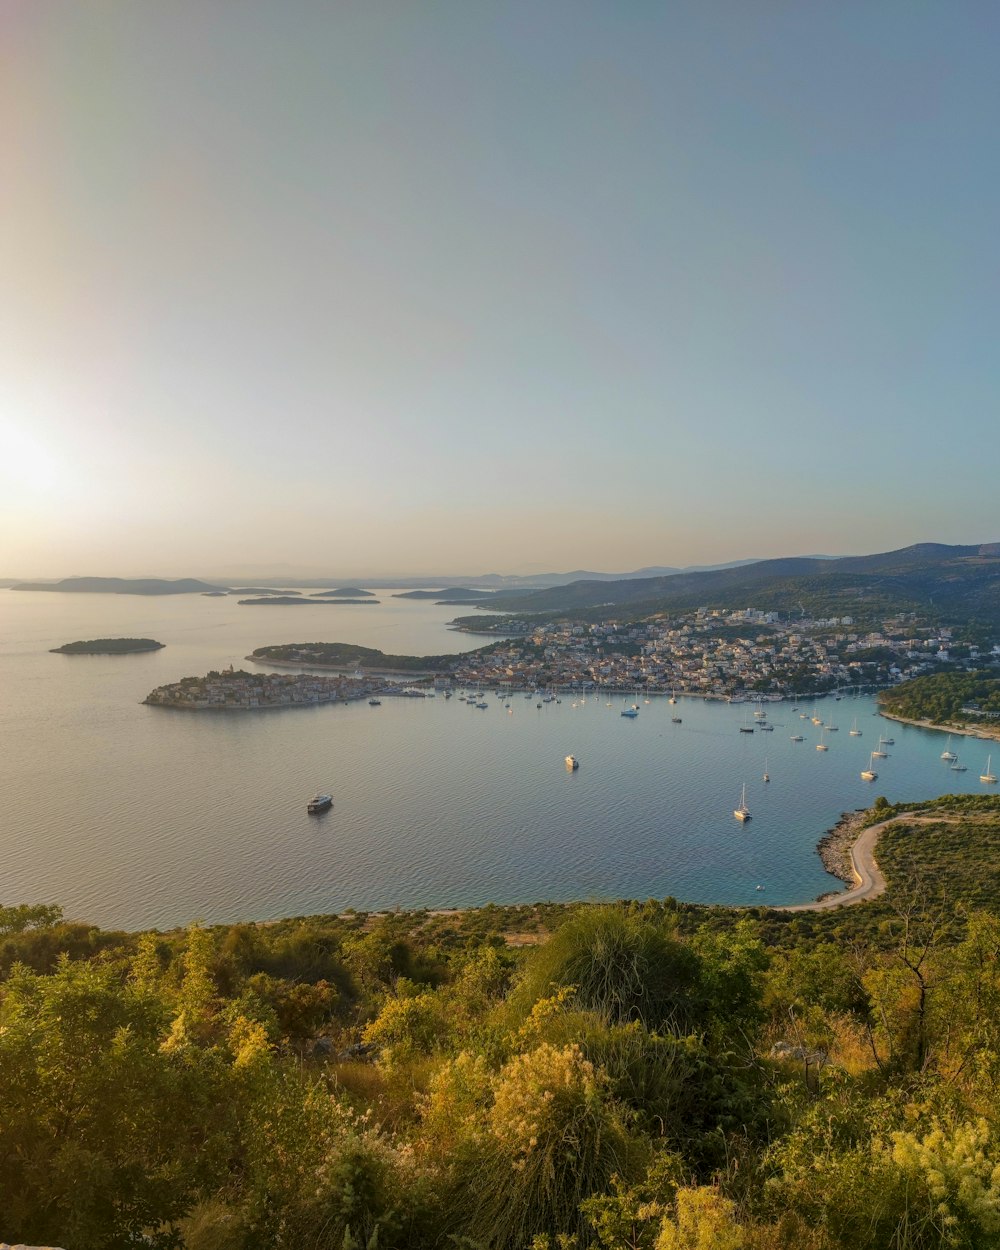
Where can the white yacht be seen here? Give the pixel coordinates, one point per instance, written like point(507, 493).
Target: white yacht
point(854, 731)
point(869, 773)
point(742, 812)
point(989, 775)
point(572, 763)
point(948, 753)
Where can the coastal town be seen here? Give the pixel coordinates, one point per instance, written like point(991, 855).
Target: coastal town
point(721, 654)
point(727, 655)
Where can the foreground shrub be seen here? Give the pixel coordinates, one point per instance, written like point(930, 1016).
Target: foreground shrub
point(554, 1136)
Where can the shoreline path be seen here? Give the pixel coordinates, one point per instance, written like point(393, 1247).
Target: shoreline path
point(870, 881)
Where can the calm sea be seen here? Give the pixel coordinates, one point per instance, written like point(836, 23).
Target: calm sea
point(134, 816)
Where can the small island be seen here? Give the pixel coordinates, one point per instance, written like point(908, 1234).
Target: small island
point(288, 601)
point(344, 592)
point(450, 594)
point(108, 646)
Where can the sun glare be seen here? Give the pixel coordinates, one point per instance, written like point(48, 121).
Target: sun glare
point(28, 468)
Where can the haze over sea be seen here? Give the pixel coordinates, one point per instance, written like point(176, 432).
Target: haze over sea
point(135, 816)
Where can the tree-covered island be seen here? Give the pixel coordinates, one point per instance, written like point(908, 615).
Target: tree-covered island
point(349, 655)
point(108, 646)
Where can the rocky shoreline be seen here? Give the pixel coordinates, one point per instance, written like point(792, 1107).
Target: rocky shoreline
point(834, 846)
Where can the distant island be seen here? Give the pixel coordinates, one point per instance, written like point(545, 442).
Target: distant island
point(315, 603)
point(450, 594)
point(344, 592)
point(342, 655)
point(262, 590)
point(108, 646)
point(122, 586)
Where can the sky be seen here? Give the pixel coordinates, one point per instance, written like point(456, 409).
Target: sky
point(385, 286)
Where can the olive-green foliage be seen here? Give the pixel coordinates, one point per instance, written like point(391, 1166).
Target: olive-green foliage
point(554, 1136)
point(610, 1087)
point(940, 697)
point(623, 966)
point(101, 1127)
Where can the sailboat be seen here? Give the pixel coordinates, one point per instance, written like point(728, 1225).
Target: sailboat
point(742, 812)
point(821, 745)
point(767, 776)
point(673, 697)
point(958, 767)
point(948, 753)
point(854, 731)
point(989, 775)
point(869, 773)
point(878, 753)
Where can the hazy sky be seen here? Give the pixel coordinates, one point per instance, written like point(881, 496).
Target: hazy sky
point(461, 286)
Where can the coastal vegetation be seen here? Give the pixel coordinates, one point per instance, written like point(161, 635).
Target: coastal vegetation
point(108, 646)
point(630, 1076)
point(950, 698)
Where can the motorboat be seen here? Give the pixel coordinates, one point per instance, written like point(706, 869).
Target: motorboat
point(319, 803)
point(572, 763)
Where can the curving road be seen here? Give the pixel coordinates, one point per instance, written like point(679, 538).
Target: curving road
point(867, 874)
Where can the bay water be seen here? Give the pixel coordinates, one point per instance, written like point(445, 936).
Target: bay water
point(133, 816)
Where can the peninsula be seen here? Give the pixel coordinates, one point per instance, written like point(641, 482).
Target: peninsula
point(108, 646)
point(237, 690)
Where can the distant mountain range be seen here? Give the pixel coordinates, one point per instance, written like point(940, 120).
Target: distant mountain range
point(959, 581)
point(262, 584)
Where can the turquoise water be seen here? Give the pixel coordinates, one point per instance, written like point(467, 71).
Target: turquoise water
point(133, 816)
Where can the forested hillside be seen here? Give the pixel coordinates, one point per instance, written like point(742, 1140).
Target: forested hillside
point(947, 698)
point(954, 583)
